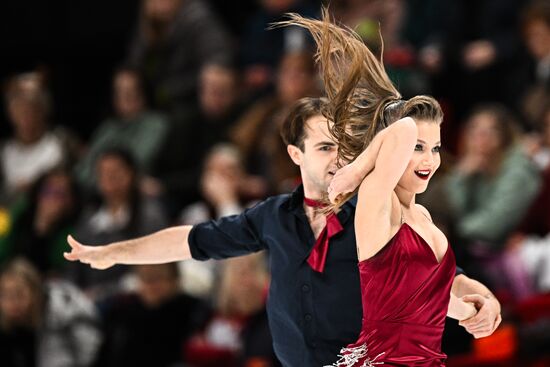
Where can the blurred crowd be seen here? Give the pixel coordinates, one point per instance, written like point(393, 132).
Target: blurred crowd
point(197, 91)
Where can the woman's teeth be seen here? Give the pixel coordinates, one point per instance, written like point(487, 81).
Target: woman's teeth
point(423, 174)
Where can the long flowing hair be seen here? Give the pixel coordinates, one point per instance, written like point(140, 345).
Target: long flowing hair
point(356, 83)
point(362, 99)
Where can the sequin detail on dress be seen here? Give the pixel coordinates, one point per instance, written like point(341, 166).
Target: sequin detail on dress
point(350, 356)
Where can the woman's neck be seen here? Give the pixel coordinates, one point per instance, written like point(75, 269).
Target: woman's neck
point(406, 198)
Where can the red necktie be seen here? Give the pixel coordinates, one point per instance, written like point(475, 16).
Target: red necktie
point(318, 255)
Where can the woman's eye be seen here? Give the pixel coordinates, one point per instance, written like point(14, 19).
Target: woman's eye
point(437, 149)
point(418, 147)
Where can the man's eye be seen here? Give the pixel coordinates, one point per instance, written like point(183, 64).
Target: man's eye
point(325, 148)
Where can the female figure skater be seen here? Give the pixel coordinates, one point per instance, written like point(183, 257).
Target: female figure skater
point(406, 265)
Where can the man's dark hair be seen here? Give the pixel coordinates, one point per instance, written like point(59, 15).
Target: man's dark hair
point(293, 130)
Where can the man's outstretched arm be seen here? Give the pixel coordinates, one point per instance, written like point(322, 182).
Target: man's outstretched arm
point(167, 245)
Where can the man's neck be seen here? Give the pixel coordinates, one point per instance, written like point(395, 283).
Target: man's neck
point(312, 192)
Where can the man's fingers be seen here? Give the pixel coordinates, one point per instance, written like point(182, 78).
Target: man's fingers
point(474, 320)
point(481, 335)
point(474, 298)
point(70, 256)
point(73, 243)
point(479, 329)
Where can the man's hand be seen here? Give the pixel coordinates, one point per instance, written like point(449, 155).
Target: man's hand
point(487, 319)
point(96, 257)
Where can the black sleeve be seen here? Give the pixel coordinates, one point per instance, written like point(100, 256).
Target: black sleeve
point(230, 236)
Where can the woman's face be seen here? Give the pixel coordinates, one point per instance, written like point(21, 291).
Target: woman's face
point(55, 197)
point(114, 178)
point(537, 38)
point(482, 135)
point(425, 159)
point(27, 118)
point(243, 281)
point(16, 299)
point(294, 80)
point(156, 283)
point(127, 97)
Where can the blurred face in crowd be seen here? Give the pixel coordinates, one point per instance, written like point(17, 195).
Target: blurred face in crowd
point(244, 283)
point(425, 160)
point(482, 135)
point(128, 96)
point(318, 159)
point(157, 283)
point(28, 118)
point(225, 163)
point(162, 11)
point(217, 90)
point(16, 299)
point(537, 38)
point(296, 78)
point(114, 178)
point(55, 198)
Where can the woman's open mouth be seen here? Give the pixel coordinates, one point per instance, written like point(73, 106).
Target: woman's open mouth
point(423, 174)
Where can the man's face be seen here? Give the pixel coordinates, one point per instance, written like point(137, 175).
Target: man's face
point(318, 159)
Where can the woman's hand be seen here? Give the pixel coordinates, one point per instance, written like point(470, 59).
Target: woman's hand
point(345, 180)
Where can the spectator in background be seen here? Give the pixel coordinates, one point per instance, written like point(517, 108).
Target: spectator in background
point(226, 189)
point(149, 327)
point(220, 103)
point(263, 48)
point(528, 260)
point(387, 20)
point(133, 128)
point(40, 222)
point(535, 25)
point(120, 212)
point(175, 39)
point(222, 185)
point(237, 333)
point(34, 148)
point(44, 324)
point(493, 183)
point(475, 45)
point(257, 132)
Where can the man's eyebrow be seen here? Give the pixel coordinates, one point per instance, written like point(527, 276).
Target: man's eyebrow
point(423, 142)
point(331, 143)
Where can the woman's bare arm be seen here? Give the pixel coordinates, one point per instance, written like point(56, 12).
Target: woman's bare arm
point(374, 204)
point(349, 177)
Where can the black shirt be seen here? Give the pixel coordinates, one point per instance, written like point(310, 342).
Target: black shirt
point(311, 315)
